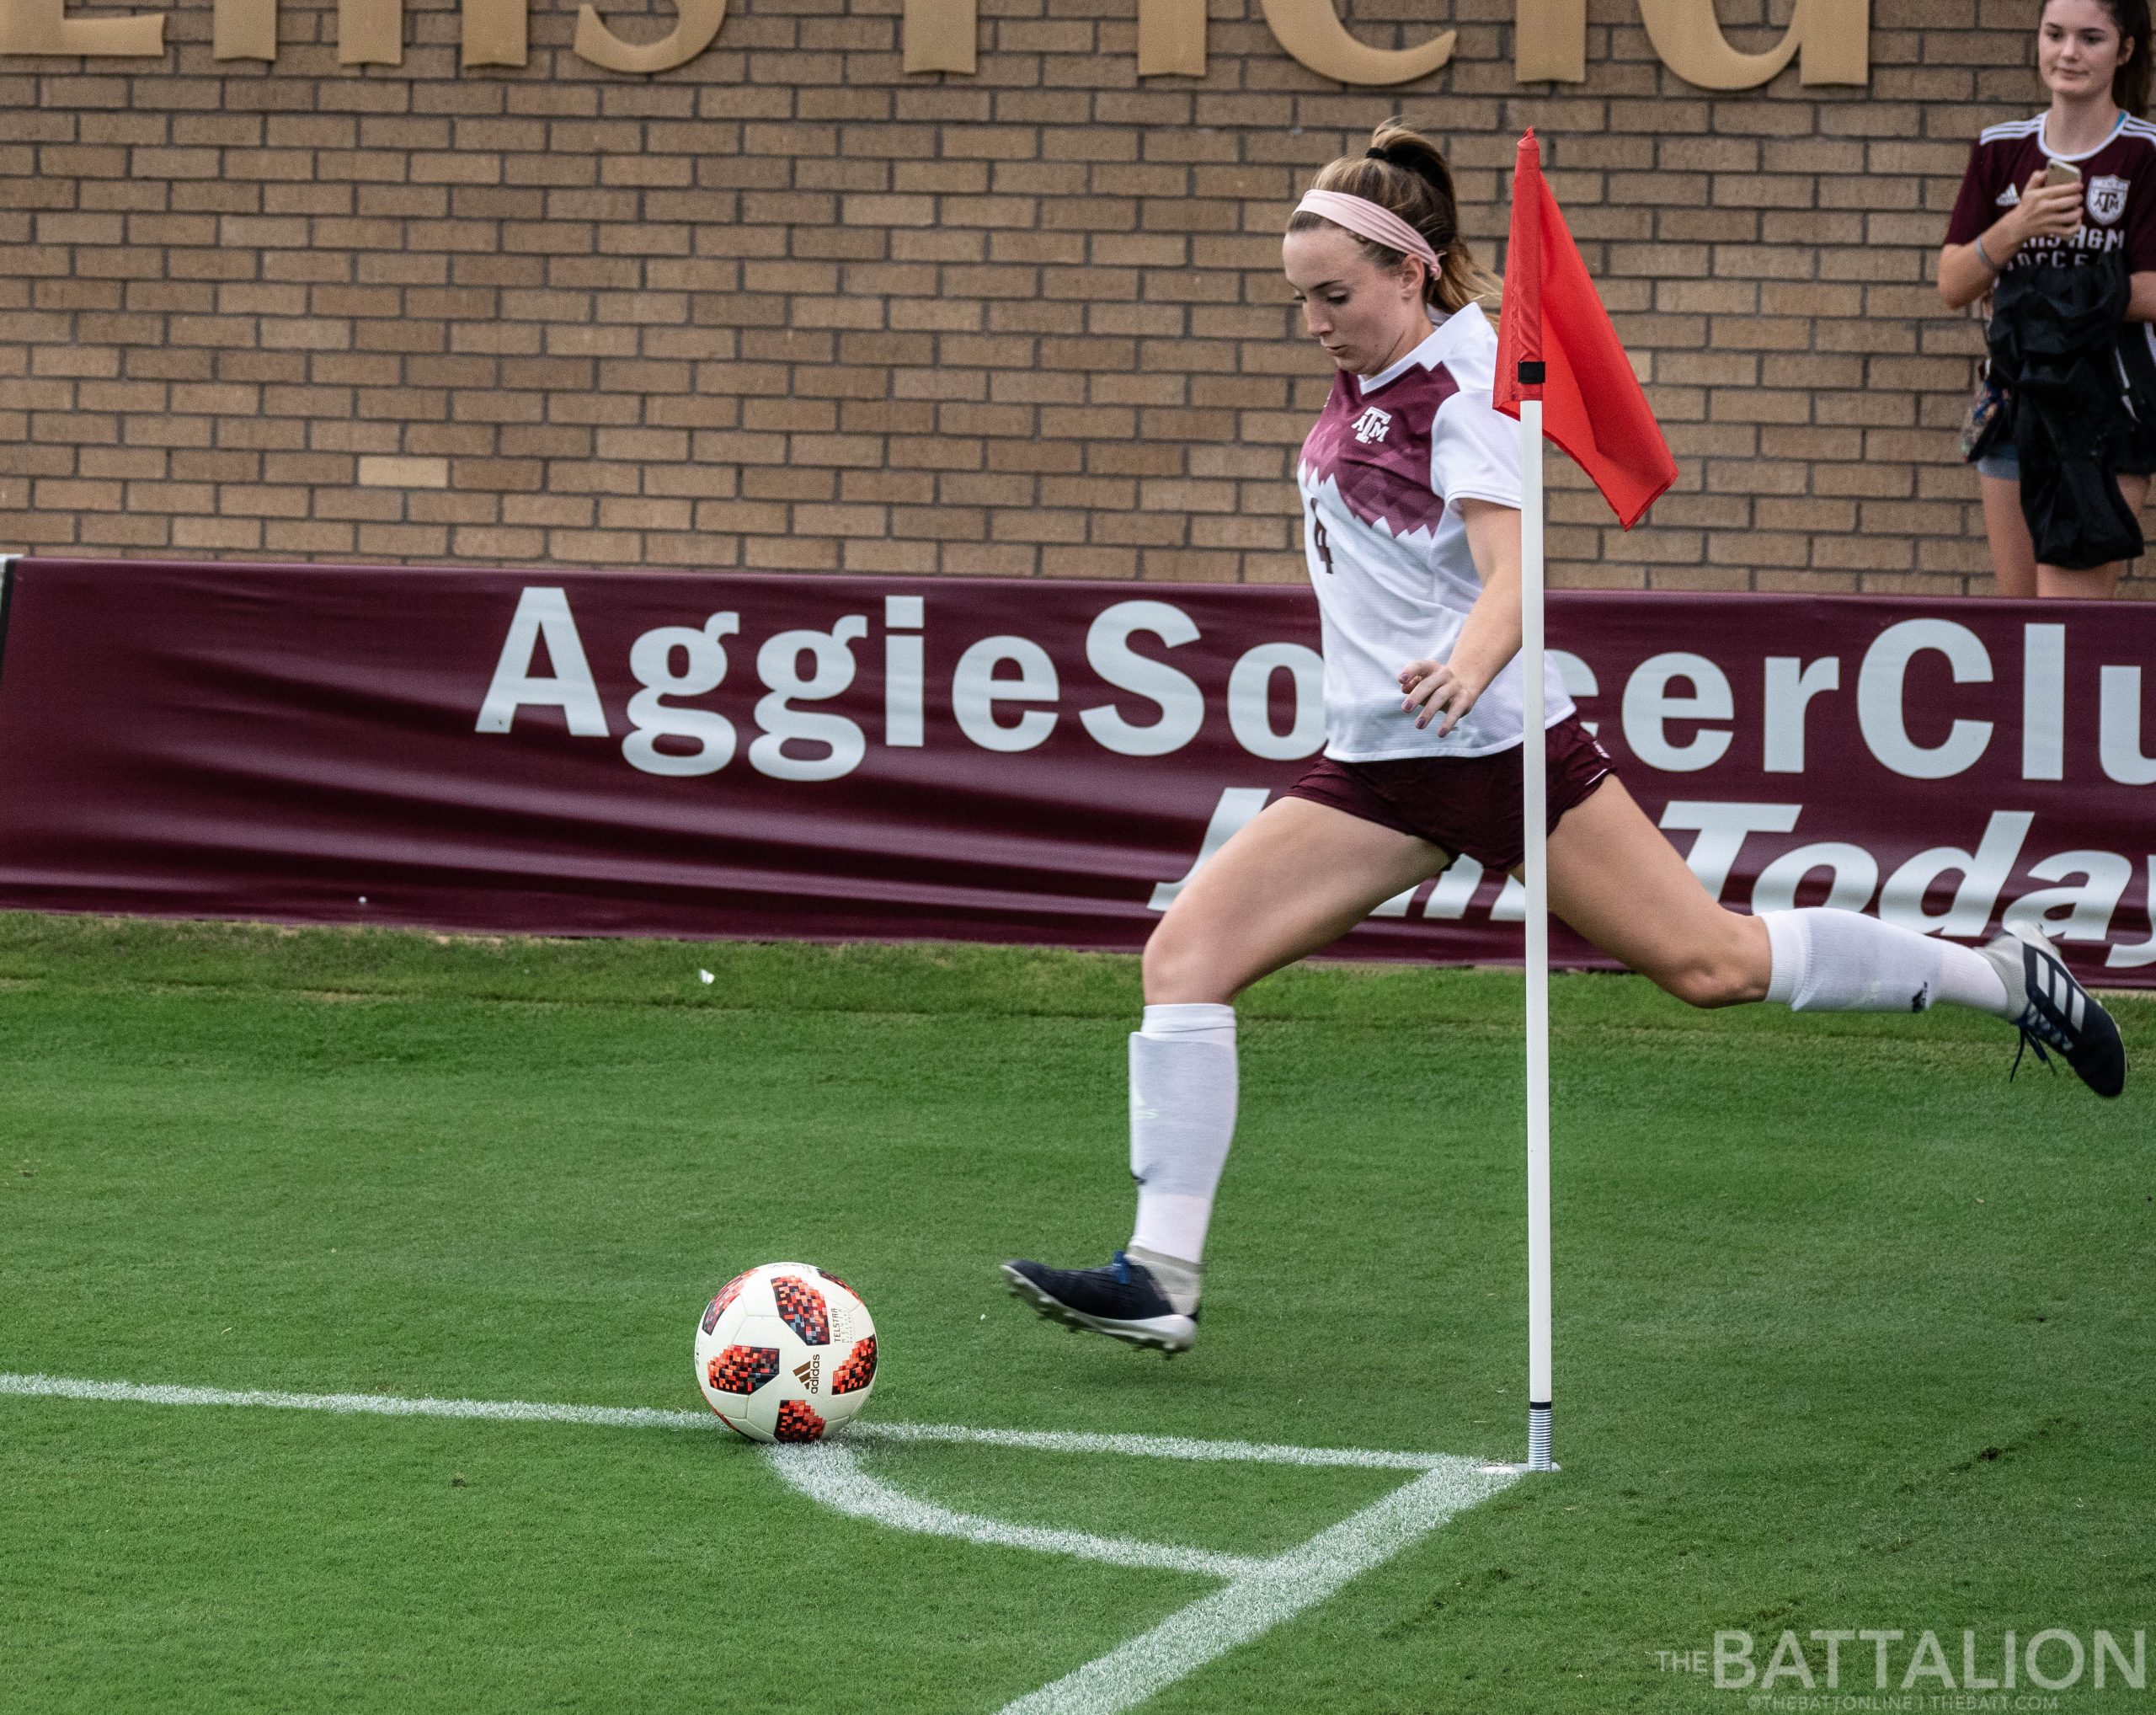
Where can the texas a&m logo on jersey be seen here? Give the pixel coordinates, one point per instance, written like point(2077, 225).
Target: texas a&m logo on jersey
point(1375, 459)
point(2106, 199)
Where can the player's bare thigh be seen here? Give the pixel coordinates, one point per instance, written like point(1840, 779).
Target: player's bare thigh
point(1618, 882)
point(1296, 878)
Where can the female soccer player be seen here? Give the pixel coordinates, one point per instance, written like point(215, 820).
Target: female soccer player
point(1410, 493)
point(2093, 57)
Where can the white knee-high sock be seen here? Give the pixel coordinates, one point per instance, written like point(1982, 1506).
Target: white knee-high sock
point(1183, 1118)
point(1829, 961)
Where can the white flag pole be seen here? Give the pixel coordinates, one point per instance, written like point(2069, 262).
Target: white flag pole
point(1535, 793)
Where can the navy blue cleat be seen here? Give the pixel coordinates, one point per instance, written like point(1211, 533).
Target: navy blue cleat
point(2053, 1011)
point(1123, 1301)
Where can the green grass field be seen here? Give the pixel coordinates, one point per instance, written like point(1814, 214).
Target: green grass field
point(1851, 1333)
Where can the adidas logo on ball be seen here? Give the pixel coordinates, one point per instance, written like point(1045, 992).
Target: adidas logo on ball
point(809, 1374)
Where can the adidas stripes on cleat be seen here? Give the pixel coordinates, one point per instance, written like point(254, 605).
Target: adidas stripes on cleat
point(2052, 1010)
point(1123, 1300)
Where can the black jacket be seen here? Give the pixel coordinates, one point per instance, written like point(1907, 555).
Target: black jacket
point(2055, 346)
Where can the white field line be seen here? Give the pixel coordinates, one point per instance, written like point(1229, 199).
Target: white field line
point(1276, 1591)
point(1149, 1446)
point(1260, 1594)
point(830, 1474)
point(391, 1405)
point(606, 1417)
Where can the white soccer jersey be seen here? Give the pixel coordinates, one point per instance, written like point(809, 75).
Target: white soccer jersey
point(1387, 548)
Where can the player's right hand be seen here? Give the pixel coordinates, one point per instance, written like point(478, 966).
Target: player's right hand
point(2049, 211)
point(1434, 688)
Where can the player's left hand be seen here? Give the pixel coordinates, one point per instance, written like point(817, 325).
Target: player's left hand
point(1435, 689)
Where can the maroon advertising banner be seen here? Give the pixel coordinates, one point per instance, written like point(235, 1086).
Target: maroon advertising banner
point(657, 753)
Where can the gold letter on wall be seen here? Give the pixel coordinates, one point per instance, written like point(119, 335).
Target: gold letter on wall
point(938, 35)
point(43, 27)
point(494, 32)
point(1171, 38)
point(243, 29)
point(694, 30)
point(1834, 36)
point(1550, 41)
point(1312, 32)
point(370, 32)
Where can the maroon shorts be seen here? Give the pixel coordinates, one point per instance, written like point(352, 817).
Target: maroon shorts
point(1469, 805)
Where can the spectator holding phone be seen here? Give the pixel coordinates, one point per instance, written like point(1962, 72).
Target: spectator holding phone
point(2056, 223)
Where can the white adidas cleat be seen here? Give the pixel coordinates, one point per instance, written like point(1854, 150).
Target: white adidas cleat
point(2051, 1009)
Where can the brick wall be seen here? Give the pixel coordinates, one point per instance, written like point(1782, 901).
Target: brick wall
point(789, 307)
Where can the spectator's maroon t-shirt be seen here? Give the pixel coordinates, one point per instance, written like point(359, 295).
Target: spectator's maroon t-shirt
point(2118, 192)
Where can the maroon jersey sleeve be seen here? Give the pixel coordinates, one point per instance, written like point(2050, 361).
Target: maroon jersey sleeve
point(2141, 213)
point(1974, 209)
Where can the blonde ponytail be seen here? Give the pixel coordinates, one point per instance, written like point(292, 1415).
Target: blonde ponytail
point(1403, 171)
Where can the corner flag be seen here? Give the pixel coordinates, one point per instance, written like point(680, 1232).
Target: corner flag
point(1593, 406)
point(1557, 355)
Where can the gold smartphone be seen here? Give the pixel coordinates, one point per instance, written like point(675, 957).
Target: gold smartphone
point(2057, 173)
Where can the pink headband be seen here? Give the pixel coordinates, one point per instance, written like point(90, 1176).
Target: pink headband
point(1368, 219)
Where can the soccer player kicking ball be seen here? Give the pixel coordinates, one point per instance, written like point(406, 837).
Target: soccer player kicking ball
point(1410, 493)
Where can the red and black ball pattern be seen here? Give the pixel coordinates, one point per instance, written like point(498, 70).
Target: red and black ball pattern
point(859, 1369)
point(801, 1308)
point(798, 1422)
point(742, 1369)
point(727, 1294)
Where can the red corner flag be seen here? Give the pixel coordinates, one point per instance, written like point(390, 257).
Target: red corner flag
point(1591, 405)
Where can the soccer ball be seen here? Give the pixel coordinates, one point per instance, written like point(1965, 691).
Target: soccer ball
point(785, 1353)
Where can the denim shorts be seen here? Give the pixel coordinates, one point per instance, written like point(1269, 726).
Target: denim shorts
point(2003, 460)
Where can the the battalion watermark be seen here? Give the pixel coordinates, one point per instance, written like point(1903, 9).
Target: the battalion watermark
point(1899, 1668)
